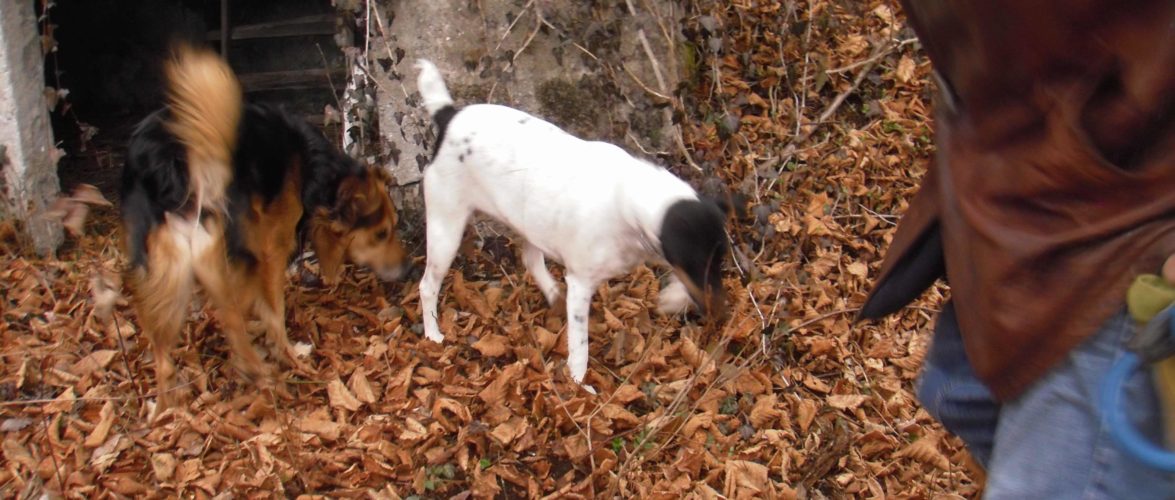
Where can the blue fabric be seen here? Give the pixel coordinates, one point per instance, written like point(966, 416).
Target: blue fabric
point(1051, 441)
point(949, 390)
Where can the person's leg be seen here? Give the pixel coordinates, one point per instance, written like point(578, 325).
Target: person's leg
point(950, 392)
point(1051, 442)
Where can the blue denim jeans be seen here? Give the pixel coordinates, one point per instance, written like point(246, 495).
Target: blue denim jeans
point(1050, 442)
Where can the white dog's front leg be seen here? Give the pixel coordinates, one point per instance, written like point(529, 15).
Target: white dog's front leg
point(430, 289)
point(444, 225)
point(579, 304)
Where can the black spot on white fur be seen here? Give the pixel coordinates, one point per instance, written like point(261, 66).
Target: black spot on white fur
point(693, 239)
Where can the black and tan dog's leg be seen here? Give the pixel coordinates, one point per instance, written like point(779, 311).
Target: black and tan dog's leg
point(162, 295)
point(271, 310)
point(231, 295)
point(273, 233)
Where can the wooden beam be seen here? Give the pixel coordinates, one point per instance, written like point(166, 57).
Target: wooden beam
point(296, 79)
point(225, 30)
point(322, 24)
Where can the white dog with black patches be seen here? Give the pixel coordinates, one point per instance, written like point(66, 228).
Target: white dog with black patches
point(589, 205)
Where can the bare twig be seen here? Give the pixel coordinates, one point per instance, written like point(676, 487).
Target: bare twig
point(667, 113)
point(117, 399)
point(825, 316)
point(512, 23)
point(871, 59)
point(538, 24)
point(644, 87)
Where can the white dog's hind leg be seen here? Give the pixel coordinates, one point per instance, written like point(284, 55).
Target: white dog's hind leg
point(534, 261)
point(579, 304)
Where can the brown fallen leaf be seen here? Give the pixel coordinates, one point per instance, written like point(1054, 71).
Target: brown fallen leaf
point(846, 401)
point(905, 70)
point(341, 397)
point(496, 390)
point(73, 209)
point(97, 360)
point(106, 292)
point(746, 479)
point(545, 338)
point(124, 483)
point(509, 430)
point(816, 384)
point(620, 415)
point(858, 269)
point(163, 465)
point(413, 430)
point(443, 407)
point(62, 403)
point(362, 387)
point(15, 452)
point(805, 413)
point(105, 454)
point(188, 471)
point(320, 426)
point(102, 430)
point(492, 345)
point(764, 414)
point(627, 393)
point(925, 450)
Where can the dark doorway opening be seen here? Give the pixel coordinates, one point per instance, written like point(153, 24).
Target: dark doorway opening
point(108, 56)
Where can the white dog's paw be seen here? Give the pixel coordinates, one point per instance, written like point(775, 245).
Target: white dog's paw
point(434, 335)
point(674, 298)
point(591, 390)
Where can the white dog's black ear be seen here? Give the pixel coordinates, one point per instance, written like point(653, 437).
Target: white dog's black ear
point(693, 241)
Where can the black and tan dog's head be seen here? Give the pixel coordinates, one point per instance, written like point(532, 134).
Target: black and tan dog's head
point(359, 228)
point(693, 239)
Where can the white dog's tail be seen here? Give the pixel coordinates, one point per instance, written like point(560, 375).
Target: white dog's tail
point(432, 87)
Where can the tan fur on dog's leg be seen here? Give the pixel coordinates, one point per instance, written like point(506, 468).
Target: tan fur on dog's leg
point(162, 295)
point(272, 237)
point(229, 297)
point(329, 247)
point(271, 310)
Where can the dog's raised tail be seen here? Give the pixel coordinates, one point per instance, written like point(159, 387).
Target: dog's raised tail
point(204, 98)
point(432, 88)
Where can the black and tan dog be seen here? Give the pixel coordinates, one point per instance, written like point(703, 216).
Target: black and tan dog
point(216, 194)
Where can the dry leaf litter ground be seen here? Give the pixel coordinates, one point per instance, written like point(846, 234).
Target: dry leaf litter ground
point(817, 116)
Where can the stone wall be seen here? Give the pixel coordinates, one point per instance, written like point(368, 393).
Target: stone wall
point(581, 65)
point(28, 175)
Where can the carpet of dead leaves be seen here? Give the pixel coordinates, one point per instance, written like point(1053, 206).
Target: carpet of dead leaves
point(814, 114)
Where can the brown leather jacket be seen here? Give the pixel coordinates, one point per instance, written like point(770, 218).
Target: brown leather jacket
point(1054, 183)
